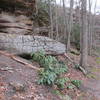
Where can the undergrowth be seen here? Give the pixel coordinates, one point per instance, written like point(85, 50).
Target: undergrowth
point(52, 71)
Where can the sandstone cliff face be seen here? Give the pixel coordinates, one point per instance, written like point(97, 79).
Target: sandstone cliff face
point(11, 24)
point(19, 6)
point(14, 29)
point(30, 44)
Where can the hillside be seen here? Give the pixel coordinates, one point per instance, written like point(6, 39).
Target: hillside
point(34, 61)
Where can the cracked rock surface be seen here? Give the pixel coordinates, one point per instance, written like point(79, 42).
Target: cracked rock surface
point(29, 44)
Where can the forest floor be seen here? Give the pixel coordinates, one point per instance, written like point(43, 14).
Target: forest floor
point(19, 82)
point(92, 83)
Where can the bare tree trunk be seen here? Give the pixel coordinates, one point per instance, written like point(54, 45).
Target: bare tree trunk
point(93, 24)
point(34, 16)
point(56, 12)
point(70, 24)
point(51, 19)
point(84, 35)
point(64, 18)
point(89, 29)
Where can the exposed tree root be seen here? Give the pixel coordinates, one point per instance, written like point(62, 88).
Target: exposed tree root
point(79, 67)
point(31, 66)
point(18, 60)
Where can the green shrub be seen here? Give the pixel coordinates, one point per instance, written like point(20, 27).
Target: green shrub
point(77, 83)
point(61, 82)
point(60, 68)
point(52, 68)
point(52, 71)
point(42, 17)
point(47, 77)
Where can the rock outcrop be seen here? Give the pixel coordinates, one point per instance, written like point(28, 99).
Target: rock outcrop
point(12, 24)
point(18, 6)
point(29, 44)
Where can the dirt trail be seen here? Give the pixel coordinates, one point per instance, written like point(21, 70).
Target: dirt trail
point(92, 84)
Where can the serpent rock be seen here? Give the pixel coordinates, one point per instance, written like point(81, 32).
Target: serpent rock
point(30, 44)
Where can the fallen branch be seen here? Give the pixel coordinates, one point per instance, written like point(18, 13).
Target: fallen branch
point(18, 60)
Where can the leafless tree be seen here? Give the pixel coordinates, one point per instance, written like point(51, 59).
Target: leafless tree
point(64, 19)
point(84, 34)
point(56, 13)
point(90, 28)
point(51, 19)
point(93, 24)
point(70, 24)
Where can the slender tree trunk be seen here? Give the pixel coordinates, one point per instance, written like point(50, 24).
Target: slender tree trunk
point(64, 18)
point(93, 25)
point(89, 29)
point(70, 24)
point(84, 35)
point(34, 14)
point(56, 12)
point(51, 19)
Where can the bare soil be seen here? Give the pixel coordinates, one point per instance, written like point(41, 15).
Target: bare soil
point(91, 84)
point(13, 75)
point(19, 82)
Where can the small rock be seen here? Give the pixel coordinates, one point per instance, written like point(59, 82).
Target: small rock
point(65, 97)
point(18, 87)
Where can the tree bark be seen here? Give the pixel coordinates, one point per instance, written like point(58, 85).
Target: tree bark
point(56, 12)
point(51, 19)
point(64, 18)
point(93, 25)
point(84, 35)
point(90, 29)
point(70, 24)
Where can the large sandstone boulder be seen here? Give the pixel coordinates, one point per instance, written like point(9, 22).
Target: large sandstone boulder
point(29, 44)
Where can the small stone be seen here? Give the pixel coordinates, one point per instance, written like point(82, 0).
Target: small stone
point(65, 97)
point(18, 87)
